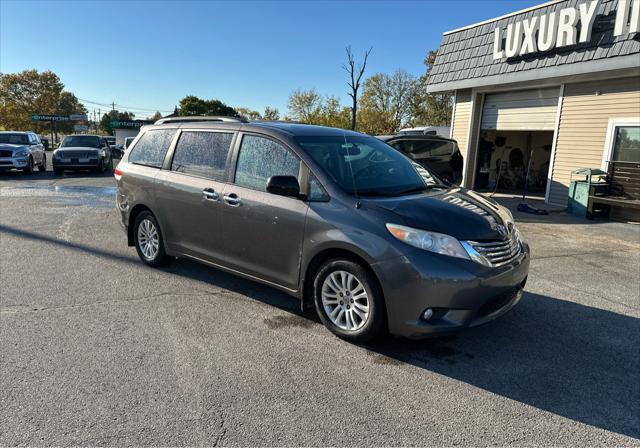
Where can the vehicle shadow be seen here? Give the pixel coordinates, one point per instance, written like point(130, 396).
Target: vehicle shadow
point(572, 360)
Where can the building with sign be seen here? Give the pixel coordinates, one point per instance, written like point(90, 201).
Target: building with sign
point(557, 84)
point(126, 128)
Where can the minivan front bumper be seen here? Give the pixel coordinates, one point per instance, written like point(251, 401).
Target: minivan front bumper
point(460, 293)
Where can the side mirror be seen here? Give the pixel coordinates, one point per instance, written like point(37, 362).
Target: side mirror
point(284, 186)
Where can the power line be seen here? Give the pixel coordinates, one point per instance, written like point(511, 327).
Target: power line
point(114, 105)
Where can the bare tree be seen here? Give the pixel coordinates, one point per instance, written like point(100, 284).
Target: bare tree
point(355, 72)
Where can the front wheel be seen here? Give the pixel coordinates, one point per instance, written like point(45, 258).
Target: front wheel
point(148, 240)
point(29, 168)
point(349, 301)
point(43, 165)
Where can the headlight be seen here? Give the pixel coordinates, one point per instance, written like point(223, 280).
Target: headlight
point(21, 153)
point(102, 153)
point(431, 241)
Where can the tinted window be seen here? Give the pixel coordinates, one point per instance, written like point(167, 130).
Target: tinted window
point(86, 141)
point(14, 139)
point(202, 153)
point(420, 149)
point(152, 147)
point(261, 158)
point(627, 144)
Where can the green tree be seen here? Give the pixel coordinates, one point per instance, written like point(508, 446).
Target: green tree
point(32, 92)
point(248, 114)
point(113, 115)
point(305, 106)
point(68, 104)
point(431, 109)
point(271, 114)
point(386, 103)
point(155, 117)
point(192, 105)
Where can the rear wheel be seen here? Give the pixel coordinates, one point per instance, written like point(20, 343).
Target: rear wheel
point(148, 239)
point(348, 301)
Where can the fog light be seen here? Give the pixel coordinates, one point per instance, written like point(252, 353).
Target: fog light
point(428, 314)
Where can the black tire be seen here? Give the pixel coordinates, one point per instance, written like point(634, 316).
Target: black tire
point(43, 165)
point(29, 168)
point(160, 257)
point(375, 324)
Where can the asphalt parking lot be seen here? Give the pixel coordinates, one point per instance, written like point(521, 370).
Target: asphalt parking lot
point(98, 349)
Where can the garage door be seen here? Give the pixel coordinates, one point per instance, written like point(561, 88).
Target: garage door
point(529, 110)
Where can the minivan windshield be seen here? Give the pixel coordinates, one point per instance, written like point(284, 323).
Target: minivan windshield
point(367, 166)
point(86, 141)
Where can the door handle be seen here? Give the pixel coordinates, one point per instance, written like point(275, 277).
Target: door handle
point(210, 194)
point(232, 199)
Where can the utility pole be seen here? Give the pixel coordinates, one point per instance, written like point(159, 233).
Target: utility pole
point(113, 105)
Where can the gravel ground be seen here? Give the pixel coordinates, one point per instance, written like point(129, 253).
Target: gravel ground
point(98, 349)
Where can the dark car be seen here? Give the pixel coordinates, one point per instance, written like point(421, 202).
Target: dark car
point(336, 218)
point(82, 152)
point(438, 154)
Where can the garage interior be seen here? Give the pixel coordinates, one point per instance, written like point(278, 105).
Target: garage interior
point(516, 128)
point(503, 158)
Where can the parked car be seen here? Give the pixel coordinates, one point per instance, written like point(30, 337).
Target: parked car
point(82, 152)
point(22, 151)
point(336, 218)
point(128, 141)
point(116, 151)
point(438, 154)
point(110, 140)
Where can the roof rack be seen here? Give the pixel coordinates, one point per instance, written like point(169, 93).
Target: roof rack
point(200, 119)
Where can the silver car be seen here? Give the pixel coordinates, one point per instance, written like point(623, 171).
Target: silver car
point(340, 220)
point(22, 151)
point(82, 152)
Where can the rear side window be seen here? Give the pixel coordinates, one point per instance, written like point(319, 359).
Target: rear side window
point(152, 147)
point(260, 158)
point(202, 153)
point(420, 149)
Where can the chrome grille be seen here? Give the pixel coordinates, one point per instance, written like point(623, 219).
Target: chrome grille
point(498, 253)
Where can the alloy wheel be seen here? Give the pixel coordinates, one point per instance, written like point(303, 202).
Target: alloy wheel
point(345, 300)
point(148, 239)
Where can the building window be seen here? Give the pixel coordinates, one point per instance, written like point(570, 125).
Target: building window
point(626, 144)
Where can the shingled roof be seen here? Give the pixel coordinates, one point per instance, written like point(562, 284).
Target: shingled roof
point(465, 57)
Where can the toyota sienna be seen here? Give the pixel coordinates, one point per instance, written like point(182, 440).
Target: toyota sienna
point(338, 219)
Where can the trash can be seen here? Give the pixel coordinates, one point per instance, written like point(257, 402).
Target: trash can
point(580, 182)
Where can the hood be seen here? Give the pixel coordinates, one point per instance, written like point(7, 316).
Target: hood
point(11, 146)
point(461, 213)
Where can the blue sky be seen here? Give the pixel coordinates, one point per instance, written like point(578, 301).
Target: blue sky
point(149, 54)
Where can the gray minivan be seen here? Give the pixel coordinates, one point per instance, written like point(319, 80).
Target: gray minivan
point(339, 219)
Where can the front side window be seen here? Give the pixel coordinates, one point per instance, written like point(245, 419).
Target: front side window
point(627, 144)
point(202, 154)
point(152, 147)
point(84, 141)
point(260, 158)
